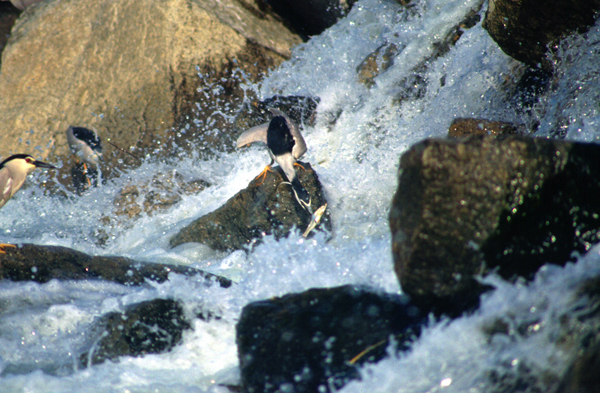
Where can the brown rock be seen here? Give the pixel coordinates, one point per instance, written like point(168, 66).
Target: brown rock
point(160, 193)
point(462, 127)
point(130, 70)
point(464, 207)
point(524, 28)
point(375, 63)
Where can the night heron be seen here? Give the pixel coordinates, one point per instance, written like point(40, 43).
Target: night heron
point(286, 145)
point(14, 171)
point(86, 145)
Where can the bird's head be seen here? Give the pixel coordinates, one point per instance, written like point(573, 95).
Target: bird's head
point(23, 163)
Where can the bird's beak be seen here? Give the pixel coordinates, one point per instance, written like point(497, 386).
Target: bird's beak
point(41, 164)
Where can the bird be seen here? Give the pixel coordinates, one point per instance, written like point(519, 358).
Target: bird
point(285, 145)
point(86, 145)
point(14, 171)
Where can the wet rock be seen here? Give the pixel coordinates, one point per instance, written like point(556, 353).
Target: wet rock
point(466, 207)
point(532, 84)
point(581, 328)
point(463, 127)
point(573, 333)
point(176, 88)
point(262, 208)
point(314, 341)
point(375, 63)
point(154, 326)
point(29, 262)
point(311, 17)
point(161, 192)
point(525, 29)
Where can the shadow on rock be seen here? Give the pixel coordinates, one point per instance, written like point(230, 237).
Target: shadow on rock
point(262, 208)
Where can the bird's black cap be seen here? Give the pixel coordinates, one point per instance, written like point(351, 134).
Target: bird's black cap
point(39, 164)
point(14, 157)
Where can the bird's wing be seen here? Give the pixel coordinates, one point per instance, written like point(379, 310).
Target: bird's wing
point(254, 134)
point(299, 146)
point(6, 184)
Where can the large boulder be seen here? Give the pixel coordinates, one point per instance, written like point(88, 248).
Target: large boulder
point(315, 341)
point(466, 207)
point(524, 29)
point(266, 206)
point(146, 75)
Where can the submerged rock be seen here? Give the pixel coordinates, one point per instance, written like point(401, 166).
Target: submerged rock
point(29, 262)
point(375, 63)
point(581, 329)
point(264, 207)
point(525, 29)
point(466, 207)
point(161, 192)
point(154, 326)
point(315, 341)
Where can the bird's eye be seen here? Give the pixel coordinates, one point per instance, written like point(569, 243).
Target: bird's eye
point(29, 160)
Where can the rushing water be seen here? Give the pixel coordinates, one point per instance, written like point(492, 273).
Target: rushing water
point(42, 327)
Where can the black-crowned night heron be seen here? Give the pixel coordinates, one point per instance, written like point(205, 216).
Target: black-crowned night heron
point(14, 171)
point(285, 144)
point(86, 145)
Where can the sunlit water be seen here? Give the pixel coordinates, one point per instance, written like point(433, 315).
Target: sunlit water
point(43, 327)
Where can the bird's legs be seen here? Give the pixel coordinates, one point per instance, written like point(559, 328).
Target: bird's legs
point(263, 174)
point(5, 245)
point(87, 177)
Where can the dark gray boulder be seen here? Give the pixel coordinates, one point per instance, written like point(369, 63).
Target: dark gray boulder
point(314, 341)
point(155, 326)
point(29, 262)
point(262, 208)
point(466, 207)
point(525, 28)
